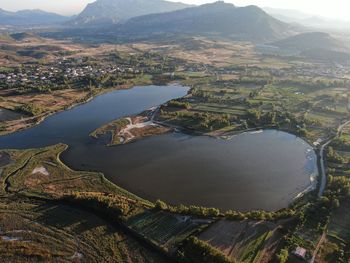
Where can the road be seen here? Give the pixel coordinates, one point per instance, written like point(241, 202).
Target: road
point(322, 161)
point(323, 169)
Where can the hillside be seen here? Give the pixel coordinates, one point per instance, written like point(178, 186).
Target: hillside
point(308, 41)
point(30, 18)
point(308, 20)
point(218, 19)
point(326, 55)
point(113, 11)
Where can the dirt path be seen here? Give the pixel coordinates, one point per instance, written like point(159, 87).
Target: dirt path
point(7, 179)
point(319, 244)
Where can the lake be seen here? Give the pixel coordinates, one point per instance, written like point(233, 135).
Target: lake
point(8, 115)
point(258, 170)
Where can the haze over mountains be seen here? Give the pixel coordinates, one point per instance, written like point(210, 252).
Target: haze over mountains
point(315, 45)
point(313, 40)
point(308, 20)
point(114, 11)
point(221, 19)
point(128, 20)
point(30, 18)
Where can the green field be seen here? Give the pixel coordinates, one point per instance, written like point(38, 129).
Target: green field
point(38, 231)
point(164, 229)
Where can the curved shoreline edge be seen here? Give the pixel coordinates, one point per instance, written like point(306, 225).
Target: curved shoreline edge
point(308, 189)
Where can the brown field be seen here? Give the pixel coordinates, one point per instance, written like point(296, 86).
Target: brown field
point(48, 102)
point(9, 48)
point(36, 231)
point(340, 222)
point(40, 172)
point(245, 241)
point(216, 53)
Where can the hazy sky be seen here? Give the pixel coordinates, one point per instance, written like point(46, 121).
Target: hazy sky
point(336, 8)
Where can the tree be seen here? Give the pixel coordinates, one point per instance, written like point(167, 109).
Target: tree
point(283, 256)
point(160, 205)
point(254, 115)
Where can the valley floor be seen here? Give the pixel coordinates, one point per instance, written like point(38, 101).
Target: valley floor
point(49, 212)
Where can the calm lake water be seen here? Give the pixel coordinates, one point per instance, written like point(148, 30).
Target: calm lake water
point(264, 170)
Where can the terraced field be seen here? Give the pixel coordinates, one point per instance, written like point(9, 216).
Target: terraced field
point(218, 105)
point(37, 231)
point(37, 225)
point(244, 241)
point(49, 212)
point(165, 229)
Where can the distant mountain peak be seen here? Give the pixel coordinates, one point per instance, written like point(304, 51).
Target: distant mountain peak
point(311, 40)
point(219, 3)
point(217, 19)
point(35, 17)
point(114, 11)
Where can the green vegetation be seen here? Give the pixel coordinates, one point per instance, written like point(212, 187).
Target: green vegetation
point(282, 257)
point(112, 128)
point(166, 230)
point(178, 104)
point(63, 203)
point(39, 231)
point(188, 210)
point(309, 107)
point(38, 176)
point(30, 109)
point(50, 213)
point(39, 172)
point(112, 206)
point(195, 250)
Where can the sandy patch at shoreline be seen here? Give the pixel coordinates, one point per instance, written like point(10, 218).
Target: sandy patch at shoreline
point(41, 170)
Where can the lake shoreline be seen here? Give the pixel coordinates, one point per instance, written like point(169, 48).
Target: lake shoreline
point(73, 127)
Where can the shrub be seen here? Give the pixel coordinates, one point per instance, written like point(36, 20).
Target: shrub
point(283, 256)
point(198, 251)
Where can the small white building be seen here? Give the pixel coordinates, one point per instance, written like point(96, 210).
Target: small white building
point(300, 252)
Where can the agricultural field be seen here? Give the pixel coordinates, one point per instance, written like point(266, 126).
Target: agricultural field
point(43, 76)
point(37, 225)
point(35, 107)
point(311, 107)
point(339, 227)
point(42, 200)
point(165, 229)
point(337, 243)
point(38, 231)
point(245, 241)
point(338, 155)
point(51, 213)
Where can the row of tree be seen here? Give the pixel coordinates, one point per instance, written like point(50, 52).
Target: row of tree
point(194, 250)
point(187, 210)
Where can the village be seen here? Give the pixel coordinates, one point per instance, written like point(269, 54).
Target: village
point(60, 73)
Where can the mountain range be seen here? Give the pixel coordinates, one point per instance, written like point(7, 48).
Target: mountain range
point(308, 20)
point(315, 45)
point(217, 19)
point(128, 20)
point(313, 40)
point(30, 18)
point(104, 12)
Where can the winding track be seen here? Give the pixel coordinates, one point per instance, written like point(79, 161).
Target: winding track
point(324, 182)
point(7, 179)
